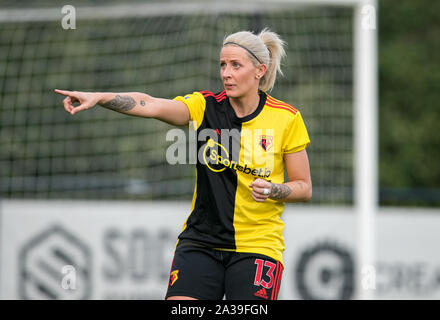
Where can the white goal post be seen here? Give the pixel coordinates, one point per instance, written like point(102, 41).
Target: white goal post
point(365, 96)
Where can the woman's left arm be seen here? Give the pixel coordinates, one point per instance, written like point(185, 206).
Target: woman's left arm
point(297, 189)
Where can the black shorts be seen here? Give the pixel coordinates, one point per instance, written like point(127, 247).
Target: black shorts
point(204, 273)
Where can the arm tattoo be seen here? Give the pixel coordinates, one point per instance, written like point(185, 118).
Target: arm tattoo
point(120, 103)
point(279, 191)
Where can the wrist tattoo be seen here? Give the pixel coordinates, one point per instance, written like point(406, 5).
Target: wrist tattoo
point(120, 103)
point(279, 191)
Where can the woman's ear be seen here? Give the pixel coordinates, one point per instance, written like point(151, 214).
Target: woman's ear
point(261, 71)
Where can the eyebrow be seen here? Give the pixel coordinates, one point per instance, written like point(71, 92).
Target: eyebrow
point(232, 60)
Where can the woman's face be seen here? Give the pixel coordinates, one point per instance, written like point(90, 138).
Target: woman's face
point(238, 74)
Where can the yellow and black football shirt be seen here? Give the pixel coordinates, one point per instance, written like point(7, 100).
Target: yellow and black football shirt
point(232, 152)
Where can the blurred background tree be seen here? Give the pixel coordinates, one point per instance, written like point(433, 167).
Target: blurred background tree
point(409, 107)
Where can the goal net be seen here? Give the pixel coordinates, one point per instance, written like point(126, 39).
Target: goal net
point(164, 49)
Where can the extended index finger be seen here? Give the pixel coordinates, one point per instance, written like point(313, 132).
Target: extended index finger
point(63, 92)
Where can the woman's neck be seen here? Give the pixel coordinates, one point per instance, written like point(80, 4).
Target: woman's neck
point(244, 106)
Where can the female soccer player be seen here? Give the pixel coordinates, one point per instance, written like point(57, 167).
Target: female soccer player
point(231, 244)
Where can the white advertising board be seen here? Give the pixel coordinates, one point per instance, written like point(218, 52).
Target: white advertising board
point(123, 250)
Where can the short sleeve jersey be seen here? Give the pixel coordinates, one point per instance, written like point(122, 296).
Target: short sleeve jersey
point(231, 153)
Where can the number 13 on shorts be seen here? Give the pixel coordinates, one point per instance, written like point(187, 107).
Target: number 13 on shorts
point(268, 275)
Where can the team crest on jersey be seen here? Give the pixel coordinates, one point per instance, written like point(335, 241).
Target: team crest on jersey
point(174, 275)
point(266, 142)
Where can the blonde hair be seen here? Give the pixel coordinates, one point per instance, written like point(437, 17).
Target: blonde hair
point(265, 48)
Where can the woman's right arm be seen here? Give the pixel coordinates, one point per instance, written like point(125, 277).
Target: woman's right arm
point(131, 103)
